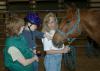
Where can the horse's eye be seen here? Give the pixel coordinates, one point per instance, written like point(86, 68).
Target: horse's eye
point(68, 21)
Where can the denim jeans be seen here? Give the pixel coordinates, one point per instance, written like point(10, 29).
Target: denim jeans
point(35, 66)
point(52, 62)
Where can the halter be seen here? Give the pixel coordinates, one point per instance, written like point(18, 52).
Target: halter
point(74, 27)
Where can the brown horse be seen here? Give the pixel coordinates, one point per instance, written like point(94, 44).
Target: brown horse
point(87, 21)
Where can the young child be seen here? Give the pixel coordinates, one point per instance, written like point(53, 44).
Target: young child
point(32, 22)
point(17, 55)
point(53, 54)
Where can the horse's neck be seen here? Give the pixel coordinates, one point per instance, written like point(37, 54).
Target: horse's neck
point(90, 23)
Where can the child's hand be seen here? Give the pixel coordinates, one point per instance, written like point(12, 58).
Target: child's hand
point(36, 58)
point(34, 51)
point(47, 35)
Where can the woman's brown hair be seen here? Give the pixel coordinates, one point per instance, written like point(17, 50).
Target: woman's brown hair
point(13, 26)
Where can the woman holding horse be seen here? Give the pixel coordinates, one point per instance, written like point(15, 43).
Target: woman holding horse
point(53, 54)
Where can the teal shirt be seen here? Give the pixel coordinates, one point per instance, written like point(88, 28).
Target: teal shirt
point(20, 43)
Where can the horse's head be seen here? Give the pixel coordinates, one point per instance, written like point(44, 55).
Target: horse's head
point(58, 38)
point(68, 25)
point(70, 16)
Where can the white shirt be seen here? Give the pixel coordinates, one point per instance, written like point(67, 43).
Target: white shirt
point(47, 43)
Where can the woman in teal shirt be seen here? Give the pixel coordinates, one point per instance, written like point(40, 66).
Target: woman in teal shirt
point(17, 55)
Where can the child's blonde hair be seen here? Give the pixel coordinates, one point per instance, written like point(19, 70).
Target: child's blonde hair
point(13, 26)
point(46, 21)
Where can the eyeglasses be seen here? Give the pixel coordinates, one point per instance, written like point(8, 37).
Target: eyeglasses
point(52, 22)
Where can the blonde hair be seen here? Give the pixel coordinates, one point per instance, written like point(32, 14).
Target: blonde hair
point(46, 21)
point(13, 26)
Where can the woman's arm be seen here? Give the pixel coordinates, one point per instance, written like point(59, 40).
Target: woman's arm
point(26, 62)
point(18, 56)
point(65, 50)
